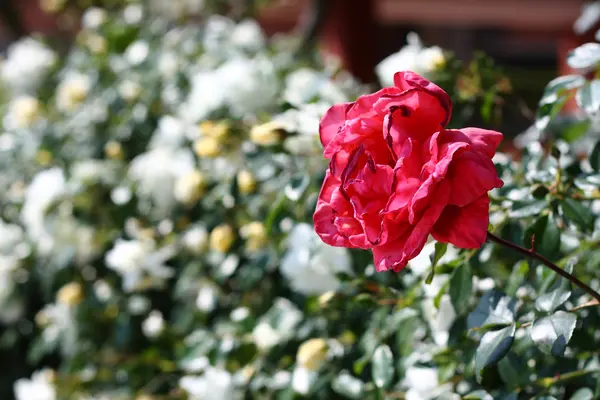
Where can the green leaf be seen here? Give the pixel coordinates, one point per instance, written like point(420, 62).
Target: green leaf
point(348, 386)
point(518, 275)
point(493, 309)
point(546, 236)
point(583, 394)
point(595, 157)
point(575, 130)
point(461, 288)
point(382, 367)
point(558, 86)
point(478, 395)
point(493, 347)
point(556, 296)
point(438, 253)
point(512, 370)
point(296, 187)
point(578, 214)
point(522, 209)
point(588, 97)
point(552, 333)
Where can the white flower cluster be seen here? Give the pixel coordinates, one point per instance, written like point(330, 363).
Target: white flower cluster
point(412, 57)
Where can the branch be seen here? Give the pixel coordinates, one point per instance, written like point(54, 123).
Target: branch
point(533, 254)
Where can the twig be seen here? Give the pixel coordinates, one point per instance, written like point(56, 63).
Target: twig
point(533, 254)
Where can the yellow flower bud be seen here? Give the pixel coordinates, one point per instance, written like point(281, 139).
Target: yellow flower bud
point(325, 298)
point(189, 188)
point(246, 182)
point(255, 235)
point(113, 150)
point(52, 6)
point(71, 294)
point(43, 157)
point(218, 131)
point(312, 353)
point(222, 238)
point(268, 134)
point(26, 110)
point(96, 43)
point(207, 147)
point(41, 318)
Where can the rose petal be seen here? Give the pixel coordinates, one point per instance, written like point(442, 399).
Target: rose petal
point(396, 254)
point(332, 122)
point(471, 176)
point(464, 227)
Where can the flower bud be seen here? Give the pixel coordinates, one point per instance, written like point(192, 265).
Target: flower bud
point(268, 134)
point(113, 150)
point(71, 294)
point(218, 131)
point(325, 298)
point(312, 353)
point(52, 6)
point(43, 157)
point(96, 44)
point(246, 182)
point(189, 188)
point(207, 147)
point(25, 110)
point(222, 238)
point(255, 235)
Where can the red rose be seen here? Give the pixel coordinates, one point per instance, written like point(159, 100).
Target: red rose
point(397, 175)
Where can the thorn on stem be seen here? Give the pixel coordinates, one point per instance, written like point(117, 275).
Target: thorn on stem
point(532, 249)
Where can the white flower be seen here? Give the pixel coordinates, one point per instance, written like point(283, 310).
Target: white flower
point(311, 266)
point(135, 260)
point(304, 119)
point(154, 325)
point(239, 314)
point(195, 239)
point(250, 85)
point(303, 379)
point(156, 172)
point(130, 90)
point(168, 63)
point(23, 111)
point(27, 63)
point(277, 325)
point(45, 188)
point(176, 9)
point(214, 384)
point(423, 384)
point(59, 326)
point(248, 36)
point(206, 301)
point(265, 336)
point(93, 18)
point(133, 14)
point(306, 85)
point(412, 57)
point(216, 35)
point(72, 91)
point(39, 387)
point(137, 52)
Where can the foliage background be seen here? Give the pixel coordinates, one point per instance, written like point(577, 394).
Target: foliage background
point(156, 237)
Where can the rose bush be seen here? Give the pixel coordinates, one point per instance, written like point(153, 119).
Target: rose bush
point(396, 175)
point(156, 239)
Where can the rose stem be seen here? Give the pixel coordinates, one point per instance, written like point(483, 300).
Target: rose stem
point(533, 254)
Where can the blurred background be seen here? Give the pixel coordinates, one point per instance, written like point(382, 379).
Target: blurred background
point(160, 163)
point(530, 38)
